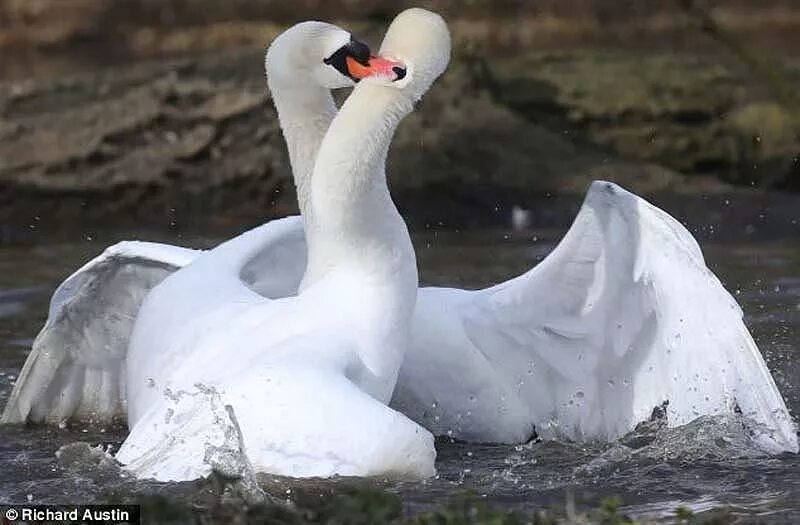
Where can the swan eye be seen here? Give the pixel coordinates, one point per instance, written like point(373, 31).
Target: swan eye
point(353, 50)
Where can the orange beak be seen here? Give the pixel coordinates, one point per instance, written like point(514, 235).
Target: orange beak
point(376, 67)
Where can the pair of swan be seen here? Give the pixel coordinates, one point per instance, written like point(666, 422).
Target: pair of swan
point(304, 348)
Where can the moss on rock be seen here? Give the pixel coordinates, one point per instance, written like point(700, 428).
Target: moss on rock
point(693, 114)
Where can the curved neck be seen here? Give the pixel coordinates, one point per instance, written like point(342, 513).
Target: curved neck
point(357, 221)
point(362, 242)
point(305, 111)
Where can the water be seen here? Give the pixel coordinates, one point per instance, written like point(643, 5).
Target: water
point(703, 466)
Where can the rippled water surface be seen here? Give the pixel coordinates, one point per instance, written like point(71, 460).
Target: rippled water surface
point(702, 466)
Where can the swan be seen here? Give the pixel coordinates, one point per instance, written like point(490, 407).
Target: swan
point(622, 317)
point(79, 356)
point(288, 372)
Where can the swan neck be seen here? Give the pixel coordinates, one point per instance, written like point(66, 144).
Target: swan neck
point(356, 217)
point(362, 250)
point(305, 111)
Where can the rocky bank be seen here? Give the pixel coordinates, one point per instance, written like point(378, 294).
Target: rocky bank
point(195, 139)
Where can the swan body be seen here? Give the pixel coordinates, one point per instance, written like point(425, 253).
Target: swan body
point(290, 369)
point(622, 317)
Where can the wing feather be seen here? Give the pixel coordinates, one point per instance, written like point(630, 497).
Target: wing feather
point(621, 317)
point(75, 366)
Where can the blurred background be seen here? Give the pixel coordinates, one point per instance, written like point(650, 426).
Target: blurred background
point(156, 111)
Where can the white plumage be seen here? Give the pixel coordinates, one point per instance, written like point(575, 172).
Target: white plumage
point(623, 316)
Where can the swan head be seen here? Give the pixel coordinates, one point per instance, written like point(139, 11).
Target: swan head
point(420, 41)
point(325, 55)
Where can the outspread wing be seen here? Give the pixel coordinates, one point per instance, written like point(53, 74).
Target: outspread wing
point(76, 366)
point(76, 369)
point(623, 316)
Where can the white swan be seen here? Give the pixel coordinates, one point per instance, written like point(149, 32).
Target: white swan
point(623, 316)
point(76, 368)
point(305, 380)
